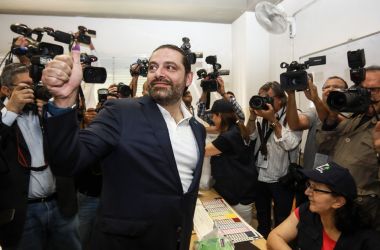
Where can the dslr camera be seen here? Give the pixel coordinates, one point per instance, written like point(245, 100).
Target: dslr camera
point(123, 90)
point(356, 99)
point(260, 102)
point(295, 77)
point(208, 82)
point(143, 67)
point(92, 74)
point(191, 56)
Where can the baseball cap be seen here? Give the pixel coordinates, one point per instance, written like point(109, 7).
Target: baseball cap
point(221, 106)
point(338, 179)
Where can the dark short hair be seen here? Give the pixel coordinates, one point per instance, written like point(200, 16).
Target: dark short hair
point(339, 78)
point(185, 62)
point(230, 93)
point(10, 71)
point(277, 90)
point(373, 68)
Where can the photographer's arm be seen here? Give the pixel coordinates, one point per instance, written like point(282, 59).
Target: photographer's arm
point(201, 109)
point(251, 124)
point(312, 94)
point(295, 121)
point(235, 105)
point(135, 69)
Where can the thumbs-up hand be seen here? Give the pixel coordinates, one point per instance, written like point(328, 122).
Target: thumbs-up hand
point(62, 77)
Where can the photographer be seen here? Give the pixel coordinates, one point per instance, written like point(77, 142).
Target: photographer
point(42, 207)
point(187, 98)
point(350, 143)
point(229, 96)
point(276, 147)
point(376, 138)
point(22, 42)
point(312, 118)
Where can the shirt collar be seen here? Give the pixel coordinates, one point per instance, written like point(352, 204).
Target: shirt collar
point(185, 112)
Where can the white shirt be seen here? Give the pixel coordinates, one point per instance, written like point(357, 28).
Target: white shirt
point(184, 145)
point(41, 183)
point(277, 160)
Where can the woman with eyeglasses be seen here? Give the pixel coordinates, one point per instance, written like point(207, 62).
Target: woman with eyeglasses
point(330, 220)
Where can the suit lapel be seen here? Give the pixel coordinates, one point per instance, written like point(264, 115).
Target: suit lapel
point(201, 146)
point(160, 131)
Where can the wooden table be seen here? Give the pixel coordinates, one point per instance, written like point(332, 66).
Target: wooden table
point(205, 195)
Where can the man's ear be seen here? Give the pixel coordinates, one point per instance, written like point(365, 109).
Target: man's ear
point(6, 91)
point(189, 79)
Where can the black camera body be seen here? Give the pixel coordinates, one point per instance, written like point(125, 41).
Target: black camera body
point(191, 56)
point(355, 99)
point(83, 35)
point(123, 90)
point(92, 74)
point(209, 83)
point(143, 64)
point(296, 77)
point(352, 100)
point(260, 103)
point(102, 95)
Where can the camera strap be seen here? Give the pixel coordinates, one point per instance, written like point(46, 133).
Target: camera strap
point(264, 137)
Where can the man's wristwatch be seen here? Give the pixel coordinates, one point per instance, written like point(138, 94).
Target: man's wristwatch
point(273, 124)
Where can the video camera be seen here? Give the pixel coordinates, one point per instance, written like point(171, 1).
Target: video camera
point(295, 77)
point(209, 83)
point(92, 74)
point(191, 56)
point(356, 99)
point(260, 103)
point(143, 67)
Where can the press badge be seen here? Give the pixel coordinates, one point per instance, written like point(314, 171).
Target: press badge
point(262, 161)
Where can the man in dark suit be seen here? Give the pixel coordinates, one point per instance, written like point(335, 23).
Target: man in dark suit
point(151, 150)
point(37, 209)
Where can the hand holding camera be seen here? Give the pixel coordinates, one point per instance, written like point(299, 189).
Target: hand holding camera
point(21, 95)
point(220, 83)
point(311, 92)
point(268, 114)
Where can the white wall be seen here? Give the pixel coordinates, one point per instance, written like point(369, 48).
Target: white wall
point(250, 49)
point(323, 24)
point(128, 39)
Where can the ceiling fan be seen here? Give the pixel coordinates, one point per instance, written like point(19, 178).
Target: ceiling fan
point(274, 19)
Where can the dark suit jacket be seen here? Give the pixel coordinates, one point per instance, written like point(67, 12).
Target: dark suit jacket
point(14, 186)
point(142, 203)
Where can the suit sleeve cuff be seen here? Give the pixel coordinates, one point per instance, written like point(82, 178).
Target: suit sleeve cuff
point(8, 117)
point(55, 111)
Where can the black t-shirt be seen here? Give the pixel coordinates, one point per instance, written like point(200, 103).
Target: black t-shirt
point(234, 170)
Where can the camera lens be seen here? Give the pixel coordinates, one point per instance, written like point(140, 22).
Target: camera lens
point(257, 102)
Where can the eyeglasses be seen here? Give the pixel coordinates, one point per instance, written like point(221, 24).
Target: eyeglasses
point(313, 189)
point(374, 90)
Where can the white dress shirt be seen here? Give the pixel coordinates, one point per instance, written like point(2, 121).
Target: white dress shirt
point(184, 145)
point(42, 183)
point(277, 160)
